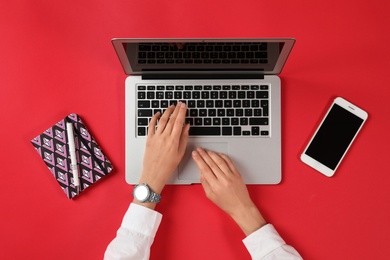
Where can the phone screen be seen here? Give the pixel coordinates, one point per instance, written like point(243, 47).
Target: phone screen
point(334, 136)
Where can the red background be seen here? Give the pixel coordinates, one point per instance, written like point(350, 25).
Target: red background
point(56, 58)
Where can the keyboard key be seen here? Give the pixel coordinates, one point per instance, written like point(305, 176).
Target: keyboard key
point(203, 112)
point(235, 121)
point(200, 103)
point(141, 131)
point(212, 112)
point(255, 130)
point(205, 131)
point(196, 95)
point(227, 130)
point(207, 121)
point(198, 121)
point(258, 121)
point(237, 103)
point(246, 103)
point(144, 112)
point(159, 95)
point(243, 121)
point(239, 112)
point(150, 95)
point(191, 103)
point(218, 103)
point(205, 94)
point(144, 104)
point(221, 112)
point(178, 95)
point(210, 103)
point(227, 103)
point(264, 133)
point(264, 105)
point(232, 94)
point(141, 95)
point(193, 112)
point(143, 121)
point(257, 112)
point(237, 130)
point(261, 94)
point(230, 112)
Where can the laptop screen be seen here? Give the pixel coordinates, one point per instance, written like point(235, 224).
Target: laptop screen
point(262, 56)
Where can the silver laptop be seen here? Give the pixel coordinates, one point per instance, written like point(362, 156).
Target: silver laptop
point(232, 93)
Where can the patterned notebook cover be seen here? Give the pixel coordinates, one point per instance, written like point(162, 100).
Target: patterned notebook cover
point(52, 146)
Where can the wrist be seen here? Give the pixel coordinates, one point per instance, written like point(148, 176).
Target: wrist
point(154, 182)
point(249, 219)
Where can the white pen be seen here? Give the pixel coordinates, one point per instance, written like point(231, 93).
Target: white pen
point(73, 160)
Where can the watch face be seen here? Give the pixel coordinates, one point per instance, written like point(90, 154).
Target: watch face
point(141, 193)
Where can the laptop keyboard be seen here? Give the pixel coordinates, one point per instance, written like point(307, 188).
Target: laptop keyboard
point(203, 53)
point(212, 110)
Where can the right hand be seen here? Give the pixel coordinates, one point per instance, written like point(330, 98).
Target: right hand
point(225, 187)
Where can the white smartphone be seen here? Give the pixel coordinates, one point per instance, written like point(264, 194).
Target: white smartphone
point(334, 136)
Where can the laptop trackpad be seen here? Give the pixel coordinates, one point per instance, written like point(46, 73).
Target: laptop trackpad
point(188, 169)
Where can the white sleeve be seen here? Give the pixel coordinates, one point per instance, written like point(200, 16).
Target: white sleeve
point(266, 244)
point(136, 234)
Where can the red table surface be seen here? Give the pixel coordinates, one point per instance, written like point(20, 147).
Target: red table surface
point(56, 58)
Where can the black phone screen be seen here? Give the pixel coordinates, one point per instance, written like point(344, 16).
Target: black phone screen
point(334, 136)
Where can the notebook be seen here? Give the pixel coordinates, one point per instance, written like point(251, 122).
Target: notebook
point(53, 147)
point(232, 93)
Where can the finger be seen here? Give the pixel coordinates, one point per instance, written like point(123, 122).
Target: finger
point(230, 164)
point(172, 119)
point(203, 167)
point(184, 139)
point(179, 121)
point(220, 162)
point(210, 162)
point(164, 119)
point(152, 124)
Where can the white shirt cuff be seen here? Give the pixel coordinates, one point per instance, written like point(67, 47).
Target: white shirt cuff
point(263, 241)
point(142, 220)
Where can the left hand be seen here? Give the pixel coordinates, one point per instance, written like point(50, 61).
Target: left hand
point(165, 147)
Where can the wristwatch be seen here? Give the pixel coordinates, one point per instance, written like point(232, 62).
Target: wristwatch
point(143, 193)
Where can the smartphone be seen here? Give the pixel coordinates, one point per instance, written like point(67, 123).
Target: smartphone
point(334, 136)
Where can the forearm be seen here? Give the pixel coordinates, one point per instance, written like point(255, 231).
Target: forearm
point(249, 219)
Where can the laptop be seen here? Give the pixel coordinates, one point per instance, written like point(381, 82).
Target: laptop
point(232, 93)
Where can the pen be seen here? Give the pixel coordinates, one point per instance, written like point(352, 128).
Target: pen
point(73, 160)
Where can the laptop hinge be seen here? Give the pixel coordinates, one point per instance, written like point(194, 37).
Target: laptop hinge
point(202, 75)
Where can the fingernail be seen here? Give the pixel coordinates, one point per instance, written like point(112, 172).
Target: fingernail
point(194, 153)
